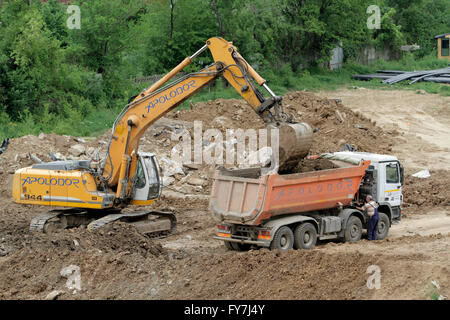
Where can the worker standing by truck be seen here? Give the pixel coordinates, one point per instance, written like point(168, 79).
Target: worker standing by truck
point(372, 211)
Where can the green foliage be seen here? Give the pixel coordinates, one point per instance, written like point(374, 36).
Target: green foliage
point(421, 20)
point(53, 79)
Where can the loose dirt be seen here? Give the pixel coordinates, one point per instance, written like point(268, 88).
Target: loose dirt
point(118, 263)
point(421, 119)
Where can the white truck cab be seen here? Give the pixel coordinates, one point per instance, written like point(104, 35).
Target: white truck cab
point(383, 181)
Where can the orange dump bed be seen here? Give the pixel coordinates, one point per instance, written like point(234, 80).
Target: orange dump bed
point(242, 197)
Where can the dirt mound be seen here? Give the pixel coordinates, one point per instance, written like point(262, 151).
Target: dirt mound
point(117, 236)
point(309, 165)
point(334, 124)
point(33, 274)
point(294, 275)
point(425, 193)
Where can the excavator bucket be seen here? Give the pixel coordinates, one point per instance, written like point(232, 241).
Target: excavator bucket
point(295, 141)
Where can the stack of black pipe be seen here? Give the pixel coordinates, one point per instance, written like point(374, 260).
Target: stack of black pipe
point(395, 76)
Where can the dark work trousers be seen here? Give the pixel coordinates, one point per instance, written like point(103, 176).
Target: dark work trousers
point(372, 228)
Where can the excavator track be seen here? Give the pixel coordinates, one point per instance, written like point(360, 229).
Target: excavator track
point(38, 223)
point(155, 224)
point(60, 219)
point(165, 223)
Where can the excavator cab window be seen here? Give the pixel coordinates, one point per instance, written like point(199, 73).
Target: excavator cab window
point(140, 183)
point(147, 185)
point(153, 178)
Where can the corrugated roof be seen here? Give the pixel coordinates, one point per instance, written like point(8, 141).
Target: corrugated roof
point(442, 35)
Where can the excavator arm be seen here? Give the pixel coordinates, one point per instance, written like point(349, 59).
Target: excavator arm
point(160, 98)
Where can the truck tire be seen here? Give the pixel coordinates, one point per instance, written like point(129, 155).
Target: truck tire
point(283, 239)
point(305, 236)
point(228, 245)
point(240, 246)
point(353, 230)
point(383, 226)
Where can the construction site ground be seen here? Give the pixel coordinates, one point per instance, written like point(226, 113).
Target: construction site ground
point(117, 262)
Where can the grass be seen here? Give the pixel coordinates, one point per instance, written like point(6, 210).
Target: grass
point(94, 123)
point(433, 292)
point(281, 81)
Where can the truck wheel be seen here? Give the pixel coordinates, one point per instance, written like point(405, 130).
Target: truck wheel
point(228, 245)
point(305, 236)
point(240, 246)
point(383, 226)
point(283, 239)
point(353, 230)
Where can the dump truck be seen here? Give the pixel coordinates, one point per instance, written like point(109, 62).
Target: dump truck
point(285, 211)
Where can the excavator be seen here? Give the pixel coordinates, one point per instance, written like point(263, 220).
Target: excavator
point(95, 197)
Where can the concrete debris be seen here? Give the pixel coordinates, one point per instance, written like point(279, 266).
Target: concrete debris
point(339, 116)
point(52, 156)
point(90, 151)
point(172, 123)
point(77, 150)
point(262, 157)
point(435, 284)
point(192, 166)
point(423, 174)
point(53, 295)
point(171, 167)
point(181, 196)
point(196, 181)
point(35, 158)
point(223, 121)
point(59, 156)
point(80, 140)
point(188, 189)
point(167, 181)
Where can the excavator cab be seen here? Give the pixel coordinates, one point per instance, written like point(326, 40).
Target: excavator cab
point(148, 184)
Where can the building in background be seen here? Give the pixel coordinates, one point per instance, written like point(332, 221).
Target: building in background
point(443, 46)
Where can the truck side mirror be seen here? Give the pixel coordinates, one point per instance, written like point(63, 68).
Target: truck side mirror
point(402, 175)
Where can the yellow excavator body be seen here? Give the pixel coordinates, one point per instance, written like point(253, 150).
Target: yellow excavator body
point(59, 188)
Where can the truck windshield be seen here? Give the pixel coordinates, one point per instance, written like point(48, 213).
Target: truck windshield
point(392, 173)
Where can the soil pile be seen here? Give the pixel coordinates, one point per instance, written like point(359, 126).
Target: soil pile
point(309, 165)
point(334, 124)
point(425, 193)
point(117, 236)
